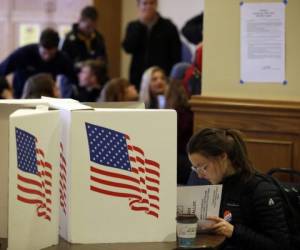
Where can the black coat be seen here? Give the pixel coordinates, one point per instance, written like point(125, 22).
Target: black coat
point(159, 46)
point(26, 62)
point(257, 215)
point(78, 51)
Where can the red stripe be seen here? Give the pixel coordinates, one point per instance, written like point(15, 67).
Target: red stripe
point(48, 174)
point(152, 180)
point(62, 185)
point(63, 158)
point(102, 191)
point(129, 147)
point(47, 191)
point(29, 201)
point(151, 171)
point(134, 170)
point(139, 208)
point(140, 160)
point(61, 146)
point(153, 163)
point(142, 180)
point(144, 201)
point(127, 137)
point(137, 149)
point(48, 165)
point(141, 170)
point(62, 167)
point(114, 184)
point(30, 191)
point(48, 183)
point(155, 189)
point(30, 181)
point(63, 177)
point(153, 197)
point(153, 213)
point(121, 176)
point(40, 151)
point(47, 217)
point(131, 158)
point(154, 205)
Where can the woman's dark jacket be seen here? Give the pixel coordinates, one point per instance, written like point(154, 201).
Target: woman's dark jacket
point(257, 214)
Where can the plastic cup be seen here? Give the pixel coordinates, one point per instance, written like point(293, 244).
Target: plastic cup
point(186, 229)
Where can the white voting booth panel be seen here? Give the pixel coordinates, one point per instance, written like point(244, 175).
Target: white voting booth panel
point(7, 107)
point(118, 176)
point(33, 179)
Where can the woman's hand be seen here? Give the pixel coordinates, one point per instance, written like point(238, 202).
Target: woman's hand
point(221, 226)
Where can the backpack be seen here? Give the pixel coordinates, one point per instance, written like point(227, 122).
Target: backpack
point(192, 76)
point(290, 195)
point(192, 80)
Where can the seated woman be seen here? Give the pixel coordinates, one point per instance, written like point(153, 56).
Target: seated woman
point(249, 218)
point(177, 98)
point(153, 88)
point(40, 85)
point(119, 90)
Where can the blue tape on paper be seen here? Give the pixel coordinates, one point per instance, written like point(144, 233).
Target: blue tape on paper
point(241, 3)
point(241, 81)
point(285, 2)
point(285, 82)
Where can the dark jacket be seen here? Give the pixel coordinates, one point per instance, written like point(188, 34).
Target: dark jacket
point(26, 61)
point(85, 95)
point(257, 215)
point(159, 46)
point(75, 47)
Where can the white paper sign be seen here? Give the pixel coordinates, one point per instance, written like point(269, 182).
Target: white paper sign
point(201, 200)
point(263, 42)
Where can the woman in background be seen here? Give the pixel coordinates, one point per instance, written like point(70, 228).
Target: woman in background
point(153, 88)
point(119, 90)
point(40, 85)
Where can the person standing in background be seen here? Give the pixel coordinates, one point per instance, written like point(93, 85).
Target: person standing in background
point(83, 43)
point(152, 41)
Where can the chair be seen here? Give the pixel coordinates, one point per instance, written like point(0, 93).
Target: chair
point(282, 173)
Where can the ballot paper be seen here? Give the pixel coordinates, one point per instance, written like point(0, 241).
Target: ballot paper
point(201, 200)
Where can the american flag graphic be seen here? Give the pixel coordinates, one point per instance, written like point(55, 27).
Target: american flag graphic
point(63, 181)
point(121, 169)
point(34, 178)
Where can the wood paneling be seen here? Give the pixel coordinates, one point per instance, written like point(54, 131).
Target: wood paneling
point(109, 25)
point(272, 128)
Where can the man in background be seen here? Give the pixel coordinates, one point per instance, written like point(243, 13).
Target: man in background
point(32, 59)
point(152, 41)
point(83, 42)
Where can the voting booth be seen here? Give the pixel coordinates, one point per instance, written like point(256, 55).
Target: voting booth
point(7, 107)
point(33, 179)
point(118, 175)
point(90, 175)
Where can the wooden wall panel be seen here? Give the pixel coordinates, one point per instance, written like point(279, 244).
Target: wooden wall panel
point(110, 26)
point(272, 128)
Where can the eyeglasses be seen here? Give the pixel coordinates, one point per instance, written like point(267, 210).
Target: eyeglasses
point(201, 169)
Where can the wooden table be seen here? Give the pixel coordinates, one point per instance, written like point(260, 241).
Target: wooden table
point(203, 241)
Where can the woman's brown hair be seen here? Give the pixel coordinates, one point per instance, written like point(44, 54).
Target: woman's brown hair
point(213, 142)
point(115, 90)
point(176, 96)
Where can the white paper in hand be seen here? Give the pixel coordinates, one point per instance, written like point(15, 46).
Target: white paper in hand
point(201, 200)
